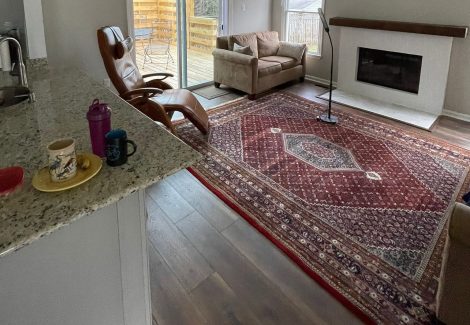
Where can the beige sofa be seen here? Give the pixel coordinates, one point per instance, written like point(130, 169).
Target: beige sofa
point(453, 297)
point(259, 72)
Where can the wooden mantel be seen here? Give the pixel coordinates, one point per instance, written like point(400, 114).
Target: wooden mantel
point(405, 27)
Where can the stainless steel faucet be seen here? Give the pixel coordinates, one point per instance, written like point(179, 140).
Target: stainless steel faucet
point(21, 66)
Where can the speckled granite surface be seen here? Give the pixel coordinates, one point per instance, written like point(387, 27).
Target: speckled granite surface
point(62, 100)
point(7, 80)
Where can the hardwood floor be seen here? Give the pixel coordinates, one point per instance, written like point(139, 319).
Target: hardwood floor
point(209, 266)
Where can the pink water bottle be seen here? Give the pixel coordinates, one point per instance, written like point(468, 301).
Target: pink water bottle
point(99, 121)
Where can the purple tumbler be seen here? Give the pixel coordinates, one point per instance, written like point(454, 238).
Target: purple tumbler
point(99, 121)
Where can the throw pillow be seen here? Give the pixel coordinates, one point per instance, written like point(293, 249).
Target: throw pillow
point(292, 50)
point(242, 49)
point(244, 40)
point(268, 43)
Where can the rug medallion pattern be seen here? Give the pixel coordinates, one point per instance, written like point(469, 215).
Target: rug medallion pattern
point(361, 204)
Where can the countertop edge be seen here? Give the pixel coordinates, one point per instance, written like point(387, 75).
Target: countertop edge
point(111, 200)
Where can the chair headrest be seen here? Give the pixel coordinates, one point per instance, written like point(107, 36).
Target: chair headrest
point(119, 63)
point(123, 45)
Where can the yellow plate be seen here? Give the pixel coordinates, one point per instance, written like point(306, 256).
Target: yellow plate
point(42, 180)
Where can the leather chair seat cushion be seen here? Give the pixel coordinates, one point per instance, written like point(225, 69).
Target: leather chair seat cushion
point(285, 62)
point(266, 68)
point(182, 100)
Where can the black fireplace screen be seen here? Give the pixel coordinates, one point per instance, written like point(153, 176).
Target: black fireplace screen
point(390, 69)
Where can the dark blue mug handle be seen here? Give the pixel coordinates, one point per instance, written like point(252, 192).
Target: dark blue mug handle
point(134, 146)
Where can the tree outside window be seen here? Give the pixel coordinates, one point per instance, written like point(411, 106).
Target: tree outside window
point(206, 8)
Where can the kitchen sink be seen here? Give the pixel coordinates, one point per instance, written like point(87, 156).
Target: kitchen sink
point(13, 95)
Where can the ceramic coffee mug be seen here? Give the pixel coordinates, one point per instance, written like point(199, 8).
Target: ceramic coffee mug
point(62, 160)
point(116, 147)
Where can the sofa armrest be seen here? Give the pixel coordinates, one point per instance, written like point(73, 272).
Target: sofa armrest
point(234, 57)
point(459, 228)
point(453, 295)
point(236, 70)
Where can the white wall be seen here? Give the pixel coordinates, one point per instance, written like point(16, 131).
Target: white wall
point(450, 12)
point(34, 24)
point(27, 15)
point(12, 10)
point(249, 16)
point(70, 29)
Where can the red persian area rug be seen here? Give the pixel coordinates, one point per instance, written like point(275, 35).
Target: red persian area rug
point(360, 206)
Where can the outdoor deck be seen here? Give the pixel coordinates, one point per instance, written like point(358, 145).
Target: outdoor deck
point(200, 66)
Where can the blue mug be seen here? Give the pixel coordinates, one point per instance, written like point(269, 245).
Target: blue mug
point(117, 147)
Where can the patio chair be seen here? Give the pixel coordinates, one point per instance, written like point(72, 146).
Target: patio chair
point(160, 42)
point(155, 98)
point(142, 34)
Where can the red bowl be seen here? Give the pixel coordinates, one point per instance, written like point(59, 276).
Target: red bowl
point(10, 179)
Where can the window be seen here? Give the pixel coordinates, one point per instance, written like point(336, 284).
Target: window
point(302, 24)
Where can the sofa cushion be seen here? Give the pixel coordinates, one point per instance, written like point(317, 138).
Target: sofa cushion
point(244, 40)
point(222, 43)
point(266, 68)
point(268, 43)
point(242, 49)
point(286, 62)
point(292, 50)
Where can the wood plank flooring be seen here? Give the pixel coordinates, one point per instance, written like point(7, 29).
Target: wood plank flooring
point(200, 65)
point(213, 262)
point(209, 266)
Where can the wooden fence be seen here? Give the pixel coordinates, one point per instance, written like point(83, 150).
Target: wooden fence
point(201, 31)
point(303, 27)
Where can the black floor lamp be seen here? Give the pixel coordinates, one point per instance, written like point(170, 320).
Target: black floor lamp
point(327, 117)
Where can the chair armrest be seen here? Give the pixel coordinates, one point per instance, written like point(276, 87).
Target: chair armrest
point(158, 74)
point(144, 92)
point(234, 57)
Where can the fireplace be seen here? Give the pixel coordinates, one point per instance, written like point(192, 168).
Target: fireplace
point(389, 69)
point(417, 64)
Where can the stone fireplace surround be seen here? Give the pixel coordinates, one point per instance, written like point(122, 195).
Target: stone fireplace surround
point(421, 109)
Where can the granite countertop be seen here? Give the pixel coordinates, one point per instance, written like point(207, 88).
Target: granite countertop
point(62, 100)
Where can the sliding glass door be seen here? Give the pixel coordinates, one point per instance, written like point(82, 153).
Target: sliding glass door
point(178, 36)
point(202, 27)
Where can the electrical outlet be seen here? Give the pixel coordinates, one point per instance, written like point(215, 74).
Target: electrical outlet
point(107, 82)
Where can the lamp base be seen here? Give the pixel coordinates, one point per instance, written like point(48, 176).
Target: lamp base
point(330, 120)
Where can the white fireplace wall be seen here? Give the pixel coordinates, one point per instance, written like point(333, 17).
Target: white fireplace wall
point(435, 51)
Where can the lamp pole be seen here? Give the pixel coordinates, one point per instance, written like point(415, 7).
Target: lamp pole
point(327, 117)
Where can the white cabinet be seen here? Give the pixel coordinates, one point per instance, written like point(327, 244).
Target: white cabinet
point(93, 271)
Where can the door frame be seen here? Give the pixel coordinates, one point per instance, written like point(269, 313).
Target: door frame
point(222, 29)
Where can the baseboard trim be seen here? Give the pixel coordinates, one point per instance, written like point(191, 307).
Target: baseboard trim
point(457, 115)
point(320, 81)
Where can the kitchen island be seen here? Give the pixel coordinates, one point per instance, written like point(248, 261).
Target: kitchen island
point(78, 256)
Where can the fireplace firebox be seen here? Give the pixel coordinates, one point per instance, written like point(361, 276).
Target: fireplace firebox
point(390, 69)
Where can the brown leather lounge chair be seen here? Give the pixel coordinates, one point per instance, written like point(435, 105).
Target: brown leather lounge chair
point(155, 98)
